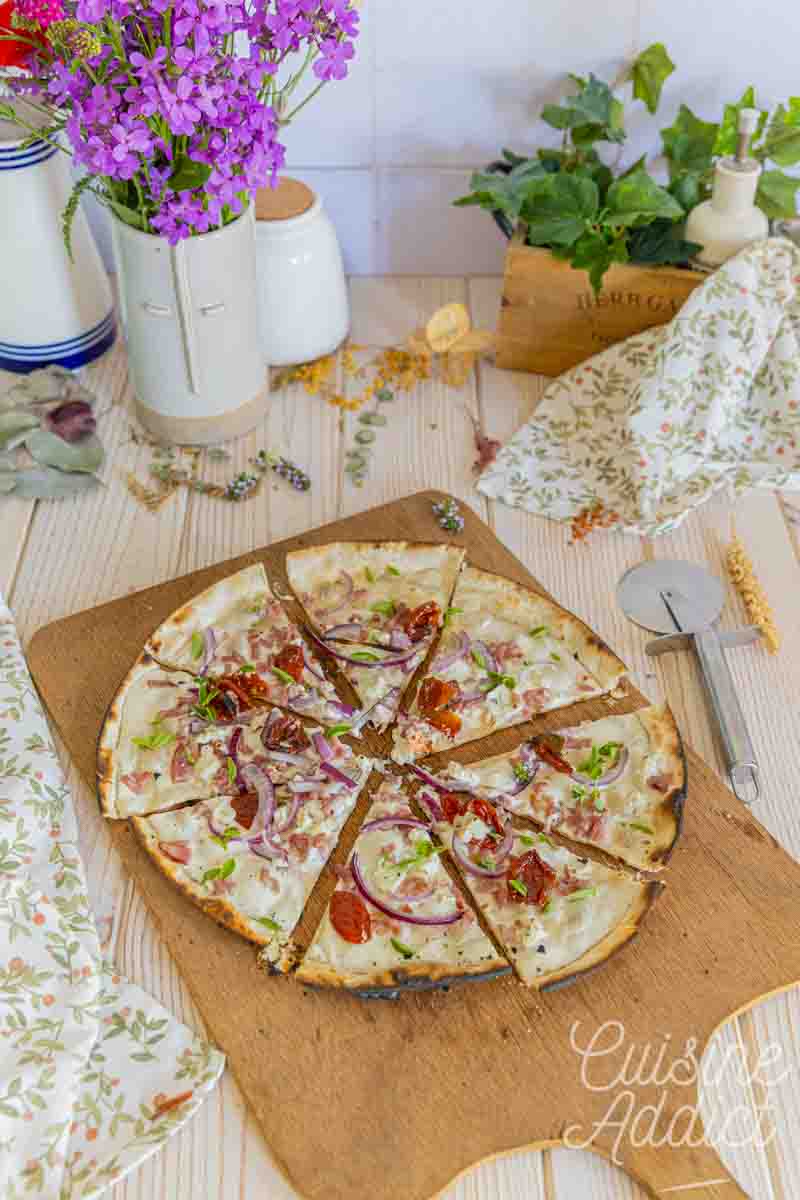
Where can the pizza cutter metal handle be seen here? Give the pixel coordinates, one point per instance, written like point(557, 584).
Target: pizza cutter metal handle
point(739, 752)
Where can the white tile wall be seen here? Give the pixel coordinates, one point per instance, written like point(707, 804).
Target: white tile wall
point(440, 85)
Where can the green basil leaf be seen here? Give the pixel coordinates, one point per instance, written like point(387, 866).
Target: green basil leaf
point(335, 730)
point(283, 676)
point(385, 607)
point(582, 894)
point(402, 948)
point(198, 644)
point(518, 886)
point(392, 570)
point(231, 768)
point(269, 923)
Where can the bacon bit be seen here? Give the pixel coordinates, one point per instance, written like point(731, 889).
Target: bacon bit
point(548, 747)
point(301, 844)
point(179, 710)
point(594, 516)
point(136, 781)
point(163, 1104)
point(422, 620)
point(160, 683)
point(285, 733)
point(245, 805)
point(179, 852)
point(506, 651)
point(660, 782)
point(535, 699)
point(571, 742)
point(180, 767)
point(568, 883)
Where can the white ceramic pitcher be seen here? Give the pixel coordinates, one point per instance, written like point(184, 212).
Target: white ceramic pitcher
point(53, 309)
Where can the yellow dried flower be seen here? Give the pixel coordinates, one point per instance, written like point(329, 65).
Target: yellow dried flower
point(740, 569)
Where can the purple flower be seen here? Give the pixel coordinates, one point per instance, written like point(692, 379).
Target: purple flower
point(73, 420)
point(92, 11)
point(333, 60)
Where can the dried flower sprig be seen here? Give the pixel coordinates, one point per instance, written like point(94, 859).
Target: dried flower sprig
point(757, 606)
point(448, 515)
point(357, 460)
point(594, 516)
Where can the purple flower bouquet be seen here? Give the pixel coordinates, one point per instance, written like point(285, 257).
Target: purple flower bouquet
point(174, 107)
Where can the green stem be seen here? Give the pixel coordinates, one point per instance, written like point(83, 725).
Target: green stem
point(290, 116)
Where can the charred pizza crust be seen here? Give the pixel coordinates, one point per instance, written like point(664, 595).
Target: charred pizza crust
point(407, 978)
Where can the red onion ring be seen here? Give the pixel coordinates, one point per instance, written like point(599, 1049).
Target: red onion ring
point(338, 775)
point(395, 914)
point(443, 661)
point(209, 647)
point(386, 701)
point(462, 857)
point(303, 786)
point(351, 631)
point(485, 653)
point(259, 781)
point(322, 746)
point(442, 785)
point(293, 808)
point(283, 756)
point(469, 698)
point(391, 822)
point(342, 580)
point(431, 805)
point(311, 666)
point(264, 848)
point(355, 662)
point(609, 777)
point(233, 755)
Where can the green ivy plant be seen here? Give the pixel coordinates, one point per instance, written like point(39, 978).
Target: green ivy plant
point(571, 202)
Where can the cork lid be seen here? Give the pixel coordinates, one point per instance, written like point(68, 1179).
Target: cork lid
point(289, 199)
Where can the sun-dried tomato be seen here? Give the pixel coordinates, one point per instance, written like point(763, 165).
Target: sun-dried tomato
point(291, 661)
point(423, 619)
point(445, 721)
point(487, 813)
point(534, 877)
point(435, 694)
point(248, 689)
point(548, 747)
point(284, 733)
point(350, 917)
point(245, 805)
point(454, 804)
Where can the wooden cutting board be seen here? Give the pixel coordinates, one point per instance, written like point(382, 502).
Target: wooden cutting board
point(391, 1100)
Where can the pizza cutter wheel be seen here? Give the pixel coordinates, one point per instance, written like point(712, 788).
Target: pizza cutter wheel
point(683, 602)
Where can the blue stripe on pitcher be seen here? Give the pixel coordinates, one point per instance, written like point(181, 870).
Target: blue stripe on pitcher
point(14, 158)
point(71, 353)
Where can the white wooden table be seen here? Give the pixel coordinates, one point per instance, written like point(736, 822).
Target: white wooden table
point(59, 557)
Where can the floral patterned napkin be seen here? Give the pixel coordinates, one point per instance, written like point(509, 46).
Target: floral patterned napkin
point(652, 427)
point(94, 1074)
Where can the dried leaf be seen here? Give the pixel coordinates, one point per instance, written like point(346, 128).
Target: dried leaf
point(44, 483)
point(447, 326)
point(15, 422)
point(477, 341)
point(50, 450)
point(149, 497)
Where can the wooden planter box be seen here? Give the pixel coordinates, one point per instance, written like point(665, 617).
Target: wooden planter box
point(550, 319)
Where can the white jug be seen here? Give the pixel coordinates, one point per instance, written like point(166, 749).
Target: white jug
point(53, 309)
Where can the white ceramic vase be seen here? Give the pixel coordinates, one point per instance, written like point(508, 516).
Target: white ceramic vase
point(53, 309)
point(190, 321)
point(304, 310)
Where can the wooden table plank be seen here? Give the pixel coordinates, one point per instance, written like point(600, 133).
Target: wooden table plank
point(57, 558)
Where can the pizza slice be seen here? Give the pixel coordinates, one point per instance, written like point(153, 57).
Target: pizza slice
point(506, 655)
point(375, 609)
point(396, 918)
point(618, 783)
point(149, 755)
point(237, 634)
point(556, 915)
point(251, 859)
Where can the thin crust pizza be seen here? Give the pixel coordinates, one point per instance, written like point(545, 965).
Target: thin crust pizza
point(251, 859)
point(618, 784)
point(506, 655)
point(396, 918)
point(239, 635)
point(556, 915)
point(375, 609)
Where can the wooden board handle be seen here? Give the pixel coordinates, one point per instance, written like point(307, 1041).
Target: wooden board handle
point(683, 1173)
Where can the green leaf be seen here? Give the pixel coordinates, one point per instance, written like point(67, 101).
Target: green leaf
point(230, 766)
point(198, 644)
point(495, 191)
point(402, 948)
point(227, 868)
point(649, 72)
point(52, 451)
point(449, 614)
point(638, 825)
point(392, 570)
point(582, 894)
point(539, 631)
point(128, 216)
point(728, 134)
point(593, 112)
point(155, 741)
point(478, 658)
point(71, 209)
point(689, 143)
point(335, 730)
point(369, 575)
point(518, 886)
point(782, 141)
point(660, 243)
point(497, 679)
point(558, 209)
point(595, 254)
point(45, 483)
point(284, 676)
point(269, 923)
point(637, 199)
point(365, 656)
point(188, 174)
point(690, 188)
point(777, 194)
point(385, 607)
point(14, 423)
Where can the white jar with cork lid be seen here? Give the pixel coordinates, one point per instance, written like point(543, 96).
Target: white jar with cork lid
point(304, 311)
point(730, 220)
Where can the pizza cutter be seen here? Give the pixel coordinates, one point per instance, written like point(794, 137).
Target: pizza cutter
point(683, 602)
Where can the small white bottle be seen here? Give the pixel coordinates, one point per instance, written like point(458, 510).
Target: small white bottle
point(730, 220)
